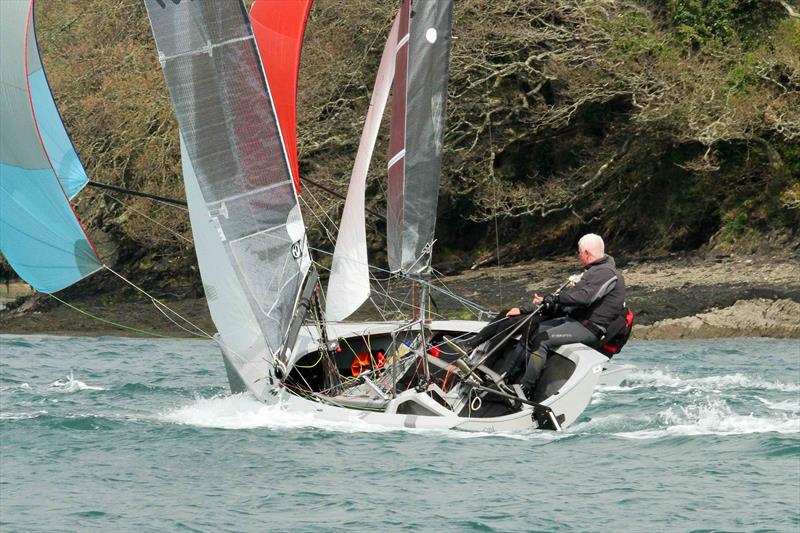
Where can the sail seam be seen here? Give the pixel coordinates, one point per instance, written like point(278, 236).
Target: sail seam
point(39, 133)
point(249, 193)
point(206, 50)
point(263, 231)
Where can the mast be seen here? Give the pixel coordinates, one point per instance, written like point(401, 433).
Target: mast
point(415, 149)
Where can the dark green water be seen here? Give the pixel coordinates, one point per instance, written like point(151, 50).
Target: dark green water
point(111, 434)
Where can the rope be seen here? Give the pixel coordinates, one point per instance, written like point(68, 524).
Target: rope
point(494, 215)
point(109, 322)
point(126, 206)
point(154, 299)
point(158, 305)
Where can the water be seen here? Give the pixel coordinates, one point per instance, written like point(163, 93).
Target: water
point(111, 434)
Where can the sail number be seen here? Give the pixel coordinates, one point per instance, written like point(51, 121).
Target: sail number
point(163, 3)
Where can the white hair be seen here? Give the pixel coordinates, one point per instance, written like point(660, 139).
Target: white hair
point(593, 243)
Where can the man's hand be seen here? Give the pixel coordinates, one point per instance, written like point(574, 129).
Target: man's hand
point(549, 304)
point(514, 311)
point(537, 300)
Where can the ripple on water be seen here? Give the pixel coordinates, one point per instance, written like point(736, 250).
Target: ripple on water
point(685, 440)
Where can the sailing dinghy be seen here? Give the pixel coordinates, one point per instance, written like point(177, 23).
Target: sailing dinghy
point(232, 77)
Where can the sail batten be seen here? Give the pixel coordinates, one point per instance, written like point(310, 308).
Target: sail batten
point(417, 132)
point(237, 157)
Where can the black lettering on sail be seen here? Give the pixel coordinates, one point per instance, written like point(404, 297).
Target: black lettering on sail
point(163, 4)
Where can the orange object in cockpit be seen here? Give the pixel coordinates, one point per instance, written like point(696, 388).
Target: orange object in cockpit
point(360, 363)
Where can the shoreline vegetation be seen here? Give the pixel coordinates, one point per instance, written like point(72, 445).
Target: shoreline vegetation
point(680, 296)
point(669, 128)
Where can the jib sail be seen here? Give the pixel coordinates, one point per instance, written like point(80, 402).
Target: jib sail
point(349, 286)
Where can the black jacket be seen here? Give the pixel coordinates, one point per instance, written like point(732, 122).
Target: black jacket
point(599, 296)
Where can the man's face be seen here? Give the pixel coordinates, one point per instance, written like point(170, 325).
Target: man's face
point(583, 256)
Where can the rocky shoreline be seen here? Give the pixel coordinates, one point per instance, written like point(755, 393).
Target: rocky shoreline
point(675, 297)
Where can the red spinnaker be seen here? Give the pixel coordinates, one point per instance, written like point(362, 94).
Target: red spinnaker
point(278, 26)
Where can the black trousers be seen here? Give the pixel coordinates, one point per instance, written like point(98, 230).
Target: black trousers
point(501, 326)
point(553, 333)
point(536, 332)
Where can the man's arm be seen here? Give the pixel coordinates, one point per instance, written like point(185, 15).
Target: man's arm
point(594, 284)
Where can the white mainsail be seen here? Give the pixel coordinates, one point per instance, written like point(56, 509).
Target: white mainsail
point(233, 150)
point(348, 286)
point(237, 325)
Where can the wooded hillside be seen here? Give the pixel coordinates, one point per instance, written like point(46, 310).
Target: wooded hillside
point(664, 125)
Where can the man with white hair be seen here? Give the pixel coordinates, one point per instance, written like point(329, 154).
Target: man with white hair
point(589, 308)
point(586, 313)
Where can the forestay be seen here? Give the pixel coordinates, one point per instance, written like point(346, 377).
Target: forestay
point(418, 124)
point(349, 286)
point(39, 169)
point(231, 138)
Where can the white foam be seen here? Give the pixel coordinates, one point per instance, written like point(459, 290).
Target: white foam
point(21, 416)
point(713, 417)
point(608, 424)
point(70, 384)
point(243, 411)
point(660, 378)
point(792, 406)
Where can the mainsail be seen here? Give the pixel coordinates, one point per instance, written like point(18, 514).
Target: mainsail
point(39, 168)
point(348, 286)
point(418, 120)
point(278, 26)
point(231, 138)
point(227, 302)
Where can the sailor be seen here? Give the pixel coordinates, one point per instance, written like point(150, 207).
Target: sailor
point(585, 313)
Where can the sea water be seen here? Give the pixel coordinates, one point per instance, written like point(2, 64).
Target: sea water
point(116, 434)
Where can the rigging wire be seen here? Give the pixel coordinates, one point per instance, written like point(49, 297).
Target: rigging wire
point(394, 276)
point(105, 321)
point(154, 300)
point(158, 305)
point(167, 228)
point(494, 214)
point(340, 196)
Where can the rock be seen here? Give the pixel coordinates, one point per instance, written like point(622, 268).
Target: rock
point(746, 318)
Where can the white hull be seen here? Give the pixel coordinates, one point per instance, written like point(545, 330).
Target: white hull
point(567, 399)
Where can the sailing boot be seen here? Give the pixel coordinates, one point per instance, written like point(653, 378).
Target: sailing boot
point(536, 364)
point(464, 347)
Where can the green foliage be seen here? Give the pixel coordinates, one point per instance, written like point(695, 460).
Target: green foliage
point(635, 33)
point(701, 21)
point(648, 120)
point(718, 22)
point(737, 225)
